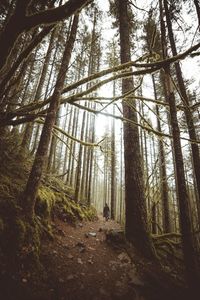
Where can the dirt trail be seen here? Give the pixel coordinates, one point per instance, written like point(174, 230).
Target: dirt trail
point(82, 265)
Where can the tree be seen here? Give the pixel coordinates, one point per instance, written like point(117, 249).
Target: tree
point(183, 201)
point(34, 179)
point(136, 221)
point(154, 47)
point(21, 21)
point(197, 6)
point(185, 100)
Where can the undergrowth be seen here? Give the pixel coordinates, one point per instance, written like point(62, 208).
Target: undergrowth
point(20, 240)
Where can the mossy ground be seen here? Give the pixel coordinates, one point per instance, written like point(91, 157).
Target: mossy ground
point(20, 240)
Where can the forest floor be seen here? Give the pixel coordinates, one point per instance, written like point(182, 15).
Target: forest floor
point(79, 264)
point(85, 266)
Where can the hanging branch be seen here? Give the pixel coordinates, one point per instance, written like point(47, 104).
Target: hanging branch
point(72, 137)
point(20, 21)
point(24, 54)
point(150, 68)
point(141, 116)
point(57, 136)
point(152, 110)
point(159, 64)
point(127, 94)
point(156, 132)
point(139, 8)
point(142, 98)
point(152, 173)
point(34, 106)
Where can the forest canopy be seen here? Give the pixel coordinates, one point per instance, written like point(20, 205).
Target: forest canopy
point(99, 103)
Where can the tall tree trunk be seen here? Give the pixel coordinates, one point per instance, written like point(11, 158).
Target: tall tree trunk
point(19, 22)
point(91, 157)
point(183, 201)
point(80, 157)
point(136, 220)
point(163, 174)
point(146, 163)
point(48, 85)
point(113, 163)
point(74, 144)
point(197, 5)
point(43, 75)
point(71, 146)
point(34, 179)
point(184, 97)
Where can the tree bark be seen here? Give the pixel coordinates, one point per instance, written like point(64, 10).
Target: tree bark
point(163, 174)
point(80, 157)
point(184, 97)
point(20, 21)
point(136, 220)
point(23, 55)
point(197, 5)
point(113, 164)
point(183, 201)
point(34, 179)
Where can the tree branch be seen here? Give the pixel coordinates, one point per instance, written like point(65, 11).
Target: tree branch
point(54, 15)
point(87, 144)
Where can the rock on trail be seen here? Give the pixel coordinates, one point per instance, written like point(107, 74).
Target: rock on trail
point(81, 264)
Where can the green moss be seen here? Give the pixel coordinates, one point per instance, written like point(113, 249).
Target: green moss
point(69, 215)
point(45, 202)
point(10, 188)
point(90, 213)
point(32, 243)
point(78, 212)
point(18, 237)
point(71, 211)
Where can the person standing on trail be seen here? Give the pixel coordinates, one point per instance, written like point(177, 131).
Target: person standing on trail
point(106, 212)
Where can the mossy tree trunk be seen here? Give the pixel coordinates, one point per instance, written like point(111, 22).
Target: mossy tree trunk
point(163, 173)
point(136, 219)
point(183, 201)
point(80, 157)
point(34, 179)
point(184, 98)
point(38, 93)
point(20, 21)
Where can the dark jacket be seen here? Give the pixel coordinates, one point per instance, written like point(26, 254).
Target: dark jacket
point(106, 211)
